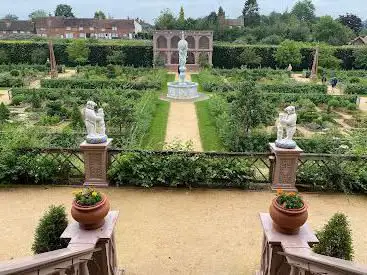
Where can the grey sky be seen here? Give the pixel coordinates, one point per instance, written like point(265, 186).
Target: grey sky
point(150, 9)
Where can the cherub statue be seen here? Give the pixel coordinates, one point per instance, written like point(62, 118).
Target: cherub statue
point(288, 122)
point(94, 122)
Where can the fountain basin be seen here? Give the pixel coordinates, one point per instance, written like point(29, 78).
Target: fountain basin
point(182, 90)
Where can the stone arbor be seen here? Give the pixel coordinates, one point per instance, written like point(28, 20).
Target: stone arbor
point(165, 46)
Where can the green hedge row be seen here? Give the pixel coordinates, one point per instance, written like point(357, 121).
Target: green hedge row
point(218, 86)
point(100, 84)
point(357, 89)
point(21, 67)
point(10, 81)
point(141, 55)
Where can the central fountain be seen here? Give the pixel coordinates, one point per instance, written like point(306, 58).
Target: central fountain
point(182, 89)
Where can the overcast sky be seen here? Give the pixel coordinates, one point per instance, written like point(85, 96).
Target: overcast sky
point(150, 9)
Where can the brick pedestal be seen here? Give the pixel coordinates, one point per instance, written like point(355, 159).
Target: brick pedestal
point(95, 163)
point(285, 168)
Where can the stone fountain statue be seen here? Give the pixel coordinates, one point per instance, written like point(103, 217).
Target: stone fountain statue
point(287, 122)
point(94, 122)
point(182, 47)
point(182, 89)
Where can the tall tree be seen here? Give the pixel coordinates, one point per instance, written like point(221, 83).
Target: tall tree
point(304, 10)
point(332, 32)
point(288, 52)
point(99, 15)
point(37, 14)
point(11, 17)
point(351, 21)
point(181, 19)
point(64, 10)
point(221, 12)
point(165, 21)
point(251, 14)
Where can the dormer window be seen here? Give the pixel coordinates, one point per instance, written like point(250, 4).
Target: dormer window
point(68, 28)
point(114, 28)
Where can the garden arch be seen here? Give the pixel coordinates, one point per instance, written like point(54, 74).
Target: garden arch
point(165, 43)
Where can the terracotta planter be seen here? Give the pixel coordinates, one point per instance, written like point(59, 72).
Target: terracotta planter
point(288, 221)
point(91, 217)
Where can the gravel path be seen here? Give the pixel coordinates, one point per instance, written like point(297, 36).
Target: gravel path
point(182, 123)
point(172, 231)
point(363, 104)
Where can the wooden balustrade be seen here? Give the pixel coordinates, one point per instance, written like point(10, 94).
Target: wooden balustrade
point(292, 254)
point(88, 253)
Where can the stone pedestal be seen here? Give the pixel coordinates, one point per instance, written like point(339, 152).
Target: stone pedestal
point(95, 163)
point(285, 168)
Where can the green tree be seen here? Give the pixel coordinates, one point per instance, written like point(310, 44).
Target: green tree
point(4, 112)
point(251, 109)
point(38, 14)
point(360, 56)
point(11, 17)
point(335, 238)
point(76, 117)
point(78, 51)
point(64, 10)
point(351, 21)
point(48, 232)
point(249, 57)
point(99, 15)
point(327, 59)
point(221, 12)
point(181, 18)
point(288, 52)
point(165, 21)
point(304, 10)
point(332, 32)
point(251, 14)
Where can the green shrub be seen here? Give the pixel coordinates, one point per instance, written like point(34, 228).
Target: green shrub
point(288, 52)
point(48, 232)
point(49, 120)
point(358, 89)
point(335, 238)
point(15, 73)
point(61, 69)
point(4, 58)
point(78, 51)
point(4, 112)
point(111, 73)
point(17, 100)
point(8, 81)
point(77, 121)
point(39, 56)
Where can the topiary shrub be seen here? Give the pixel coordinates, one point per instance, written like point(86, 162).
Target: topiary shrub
point(335, 238)
point(48, 232)
point(15, 73)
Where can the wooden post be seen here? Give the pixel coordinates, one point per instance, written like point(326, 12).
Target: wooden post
point(285, 169)
point(95, 163)
point(53, 66)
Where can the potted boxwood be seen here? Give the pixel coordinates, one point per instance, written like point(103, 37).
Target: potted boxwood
point(288, 212)
point(89, 208)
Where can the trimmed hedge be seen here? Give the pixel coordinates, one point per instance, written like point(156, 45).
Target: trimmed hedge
point(356, 89)
point(9, 81)
point(218, 86)
point(141, 54)
point(99, 84)
point(20, 67)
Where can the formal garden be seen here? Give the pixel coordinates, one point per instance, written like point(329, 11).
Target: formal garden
point(42, 127)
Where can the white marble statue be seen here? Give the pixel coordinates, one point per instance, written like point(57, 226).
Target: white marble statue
point(94, 122)
point(182, 51)
point(288, 122)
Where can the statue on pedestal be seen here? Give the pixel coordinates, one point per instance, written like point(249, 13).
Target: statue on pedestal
point(94, 122)
point(182, 48)
point(287, 121)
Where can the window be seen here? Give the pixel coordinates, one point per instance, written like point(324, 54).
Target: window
point(42, 29)
point(15, 32)
point(69, 35)
point(68, 28)
point(91, 28)
point(21, 31)
point(82, 35)
point(114, 28)
point(81, 28)
point(103, 29)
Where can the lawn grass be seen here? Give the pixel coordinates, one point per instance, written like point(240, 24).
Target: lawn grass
point(195, 78)
point(208, 131)
point(157, 132)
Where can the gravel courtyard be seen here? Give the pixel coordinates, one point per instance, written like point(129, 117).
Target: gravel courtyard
point(171, 231)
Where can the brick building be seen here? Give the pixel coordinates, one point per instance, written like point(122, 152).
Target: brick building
point(86, 28)
point(11, 27)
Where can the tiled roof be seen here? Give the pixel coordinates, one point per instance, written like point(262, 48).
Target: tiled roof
point(16, 25)
point(61, 22)
point(361, 38)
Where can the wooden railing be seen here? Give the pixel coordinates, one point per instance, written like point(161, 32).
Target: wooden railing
point(88, 253)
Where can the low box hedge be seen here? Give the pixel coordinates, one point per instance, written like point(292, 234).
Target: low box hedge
point(357, 89)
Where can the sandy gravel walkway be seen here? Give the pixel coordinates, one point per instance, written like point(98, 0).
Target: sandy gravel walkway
point(4, 97)
point(182, 125)
point(363, 104)
point(163, 231)
point(330, 90)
